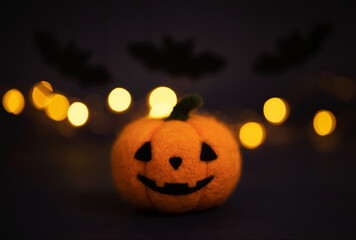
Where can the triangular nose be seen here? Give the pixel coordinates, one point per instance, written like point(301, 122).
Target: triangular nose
point(175, 162)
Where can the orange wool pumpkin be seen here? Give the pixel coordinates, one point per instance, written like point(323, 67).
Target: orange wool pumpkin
point(177, 164)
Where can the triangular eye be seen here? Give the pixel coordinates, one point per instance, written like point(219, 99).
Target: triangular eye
point(207, 153)
point(144, 153)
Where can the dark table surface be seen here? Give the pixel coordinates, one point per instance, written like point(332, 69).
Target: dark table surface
point(56, 187)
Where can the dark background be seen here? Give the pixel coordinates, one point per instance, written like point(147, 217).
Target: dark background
point(56, 180)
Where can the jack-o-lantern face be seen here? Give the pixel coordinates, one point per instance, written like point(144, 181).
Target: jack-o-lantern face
point(176, 166)
point(144, 154)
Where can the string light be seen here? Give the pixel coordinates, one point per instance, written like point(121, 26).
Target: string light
point(78, 114)
point(276, 110)
point(252, 134)
point(13, 101)
point(119, 100)
point(40, 94)
point(57, 107)
point(324, 122)
point(162, 100)
point(160, 110)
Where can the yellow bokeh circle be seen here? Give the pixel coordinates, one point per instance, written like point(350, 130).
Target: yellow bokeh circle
point(40, 94)
point(324, 122)
point(252, 134)
point(78, 114)
point(57, 107)
point(13, 101)
point(276, 110)
point(162, 95)
point(119, 100)
point(161, 110)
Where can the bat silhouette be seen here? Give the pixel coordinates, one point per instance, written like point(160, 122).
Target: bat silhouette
point(292, 50)
point(176, 58)
point(70, 60)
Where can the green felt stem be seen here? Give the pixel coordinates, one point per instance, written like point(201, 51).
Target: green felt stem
point(184, 106)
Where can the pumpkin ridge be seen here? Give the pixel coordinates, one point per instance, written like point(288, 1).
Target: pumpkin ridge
point(146, 189)
point(206, 168)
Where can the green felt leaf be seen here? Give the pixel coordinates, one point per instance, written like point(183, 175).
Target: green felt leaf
point(184, 106)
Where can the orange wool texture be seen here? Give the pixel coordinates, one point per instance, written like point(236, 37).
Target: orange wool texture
point(158, 184)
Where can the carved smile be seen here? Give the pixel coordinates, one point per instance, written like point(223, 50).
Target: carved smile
point(174, 188)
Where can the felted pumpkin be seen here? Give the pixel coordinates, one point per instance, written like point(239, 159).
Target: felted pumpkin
point(178, 164)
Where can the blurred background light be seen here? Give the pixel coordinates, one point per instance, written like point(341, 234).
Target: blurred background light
point(13, 101)
point(162, 95)
point(160, 110)
point(119, 100)
point(276, 110)
point(40, 94)
point(324, 122)
point(78, 114)
point(57, 107)
point(252, 134)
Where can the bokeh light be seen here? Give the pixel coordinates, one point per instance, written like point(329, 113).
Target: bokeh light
point(324, 122)
point(13, 101)
point(162, 95)
point(119, 100)
point(161, 110)
point(252, 134)
point(162, 101)
point(40, 94)
point(78, 114)
point(57, 107)
point(276, 110)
